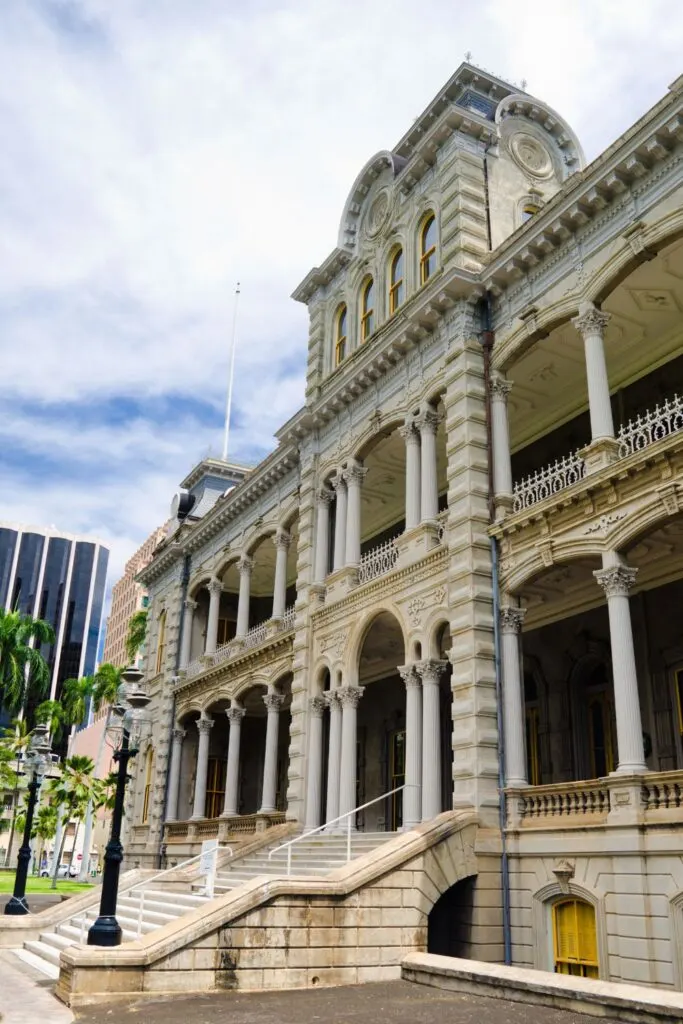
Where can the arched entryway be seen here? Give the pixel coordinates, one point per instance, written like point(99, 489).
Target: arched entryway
point(449, 925)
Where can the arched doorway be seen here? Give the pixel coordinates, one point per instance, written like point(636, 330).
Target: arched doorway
point(449, 925)
point(380, 753)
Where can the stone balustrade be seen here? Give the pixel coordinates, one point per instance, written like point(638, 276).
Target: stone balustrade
point(378, 561)
point(220, 828)
point(254, 637)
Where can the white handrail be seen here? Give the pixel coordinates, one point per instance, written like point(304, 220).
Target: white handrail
point(323, 828)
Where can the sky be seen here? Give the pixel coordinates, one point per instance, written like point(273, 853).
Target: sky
point(153, 154)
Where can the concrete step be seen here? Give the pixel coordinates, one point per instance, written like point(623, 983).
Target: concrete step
point(165, 902)
point(41, 949)
point(151, 908)
point(74, 932)
point(45, 967)
point(55, 939)
point(180, 899)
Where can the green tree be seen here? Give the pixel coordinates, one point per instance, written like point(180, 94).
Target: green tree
point(45, 827)
point(52, 714)
point(24, 673)
point(73, 790)
point(15, 739)
point(137, 631)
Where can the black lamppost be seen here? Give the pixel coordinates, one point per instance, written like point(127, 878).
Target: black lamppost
point(38, 760)
point(125, 718)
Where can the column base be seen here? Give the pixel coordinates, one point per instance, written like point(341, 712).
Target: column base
point(503, 504)
point(207, 660)
point(416, 543)
point(273, 626)
point(342, 582)
point(316, 593)
point(602, 452)
point(17, 906)
point(625, 798)
point(106, 931)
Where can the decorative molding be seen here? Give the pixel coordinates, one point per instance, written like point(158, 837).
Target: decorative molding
point(616, 581)
point(511, 619)
point(591, 320)
point(604, 522)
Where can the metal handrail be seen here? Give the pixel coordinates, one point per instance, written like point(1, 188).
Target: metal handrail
point(323, 828)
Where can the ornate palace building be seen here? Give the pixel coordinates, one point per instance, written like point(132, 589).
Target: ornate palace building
point(450, 601)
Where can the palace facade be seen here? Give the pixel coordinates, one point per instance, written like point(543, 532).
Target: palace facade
point(456, 584)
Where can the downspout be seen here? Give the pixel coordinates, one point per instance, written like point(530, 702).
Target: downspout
point(487, 341)
point(184, 582)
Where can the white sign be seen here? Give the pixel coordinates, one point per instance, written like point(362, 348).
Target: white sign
point(207, 863)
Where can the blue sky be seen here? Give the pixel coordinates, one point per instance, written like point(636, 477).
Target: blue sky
point(155, 153)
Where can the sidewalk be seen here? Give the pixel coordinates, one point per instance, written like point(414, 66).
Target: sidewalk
point(397, 1002)
point(26, 995)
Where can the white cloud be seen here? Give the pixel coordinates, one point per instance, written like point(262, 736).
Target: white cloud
point(153, 154)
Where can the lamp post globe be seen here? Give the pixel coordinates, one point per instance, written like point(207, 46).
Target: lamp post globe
point(37, 761)
point(125, 718)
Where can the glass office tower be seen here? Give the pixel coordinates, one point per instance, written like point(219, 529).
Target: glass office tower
point(61, 578)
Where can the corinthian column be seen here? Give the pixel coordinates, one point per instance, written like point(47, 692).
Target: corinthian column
point(616, 581)
point(413, 482)
point(188, 620)
point(314, 767)
point(273, 702)
point(427, 423)
point(591, 324)
point(431, 672)
point(322, 538)
point(412, 794)
point(511, 620)
point(204, 725)
point(235, 715)
point(339, 484)
point(500, 440)
point(244, 566)
point(215, 588)
point(349, 696)
point(282, 541)
point(177, 738)
point(353, 475)
point(333, 755)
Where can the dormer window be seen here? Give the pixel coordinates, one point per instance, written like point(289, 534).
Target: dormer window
point(340, 335)
point(367, 305)
point(427, 248)
point(396, 288)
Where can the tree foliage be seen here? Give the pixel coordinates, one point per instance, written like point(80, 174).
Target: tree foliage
point(24, 673)
point(137, 631)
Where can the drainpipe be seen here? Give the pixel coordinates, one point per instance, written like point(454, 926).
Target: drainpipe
point(184, 582)
point(487, 340)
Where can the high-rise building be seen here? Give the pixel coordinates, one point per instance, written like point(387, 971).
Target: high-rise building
point(58, 577)
point(128, 597)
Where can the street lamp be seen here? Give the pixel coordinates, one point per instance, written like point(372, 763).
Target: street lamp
point(37, 760)
point(123, 724)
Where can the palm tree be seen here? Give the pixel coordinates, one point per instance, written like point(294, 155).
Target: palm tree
point(24, 673)
point(45, 827)
point(74, 788)
point(52, 714)
point(76, 695)
point(15, 738)
point(137, 630)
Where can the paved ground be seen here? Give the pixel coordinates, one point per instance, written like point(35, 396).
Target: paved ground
point(396, 1002)
point(26, 995)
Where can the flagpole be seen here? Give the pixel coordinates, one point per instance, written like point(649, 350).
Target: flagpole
point(228, 404)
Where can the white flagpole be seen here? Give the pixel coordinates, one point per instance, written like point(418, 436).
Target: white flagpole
point(228, 405)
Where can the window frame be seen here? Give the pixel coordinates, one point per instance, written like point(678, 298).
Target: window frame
point(340, 340)
point(587, 967)
point(426, 254)
point(396, 285)
point(367, 313)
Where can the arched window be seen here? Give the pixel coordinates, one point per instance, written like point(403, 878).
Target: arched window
point(396, 289)
point(340, 335)
point(427, 248)
point(528, 211)
point(367, 307)
point(161, 642)
point(149, 771)
point(575, 938)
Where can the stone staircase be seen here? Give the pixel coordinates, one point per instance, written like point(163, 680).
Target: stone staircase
point(161, 904)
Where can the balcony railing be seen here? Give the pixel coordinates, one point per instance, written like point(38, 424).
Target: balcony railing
point(645, 430)
point(256, 636)
point(377, 561)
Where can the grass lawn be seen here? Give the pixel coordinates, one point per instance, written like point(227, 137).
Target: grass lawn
point(41, 884)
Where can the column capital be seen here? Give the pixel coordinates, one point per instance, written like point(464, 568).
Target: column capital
point(282, 539)
point(590, 320)
point(204, 725)
point(235, 714)
point(317, 705)
point(190, 604)
point(338, 481)
point(331, 698)
point(214, 586)
point(511, 619)
point(500, 387)
point(427, 421)
point(324, 496)
point(409, 433)
point(245, 565)
point(179, 734)
point(431, 669)
point(354, 473)
point(273, 701)
point(350, 696)
point(409, 675)
point(617, 580)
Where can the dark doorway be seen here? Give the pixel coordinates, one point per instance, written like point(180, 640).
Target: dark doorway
point(449, 925)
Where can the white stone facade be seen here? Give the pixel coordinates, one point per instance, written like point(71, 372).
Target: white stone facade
point(468, 525)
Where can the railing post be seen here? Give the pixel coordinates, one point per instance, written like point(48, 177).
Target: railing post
point(348, 838)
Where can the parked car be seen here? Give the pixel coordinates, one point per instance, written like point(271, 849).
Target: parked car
point(63, 871)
